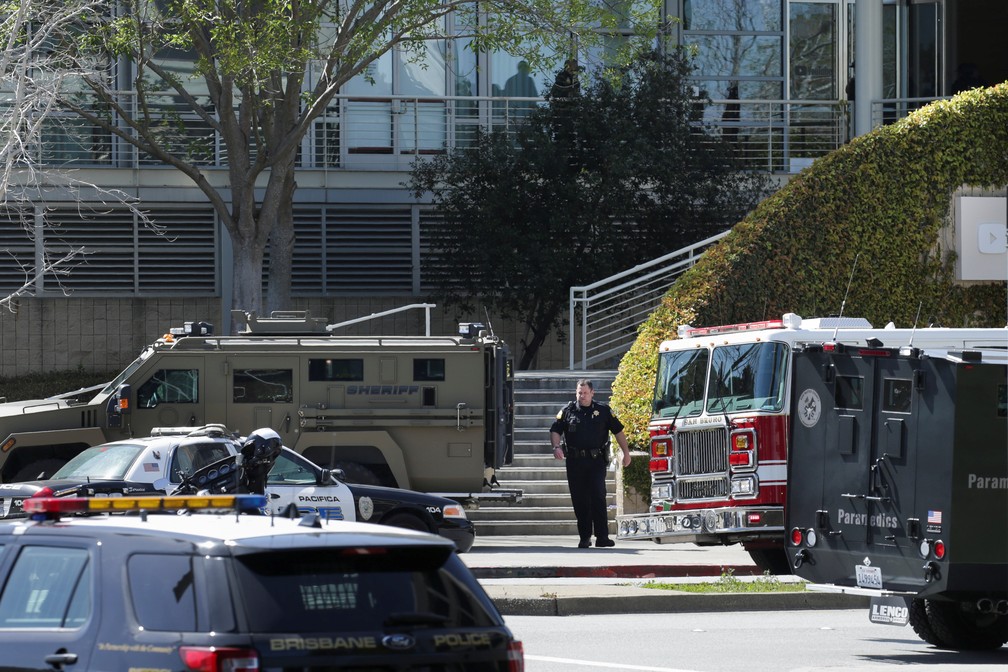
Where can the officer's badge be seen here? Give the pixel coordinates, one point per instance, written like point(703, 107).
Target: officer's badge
point(595, 414)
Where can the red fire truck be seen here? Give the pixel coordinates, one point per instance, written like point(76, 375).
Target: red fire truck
point(720, 423)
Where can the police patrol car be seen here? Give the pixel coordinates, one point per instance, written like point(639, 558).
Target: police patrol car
point(221, 590)
point(163, 461)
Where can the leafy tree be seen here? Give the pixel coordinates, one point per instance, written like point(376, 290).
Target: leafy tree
point(591, 184)
point(265, 70)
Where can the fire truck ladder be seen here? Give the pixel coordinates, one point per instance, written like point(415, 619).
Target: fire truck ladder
point(604, 315)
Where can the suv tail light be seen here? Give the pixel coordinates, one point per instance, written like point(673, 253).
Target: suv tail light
point(219, 659)
point(516, 657)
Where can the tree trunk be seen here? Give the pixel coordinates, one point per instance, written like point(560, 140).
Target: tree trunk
point(281, 247)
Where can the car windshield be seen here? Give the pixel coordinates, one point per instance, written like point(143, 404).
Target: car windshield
point(328, 591)
point(109, 461)
point(727, 379)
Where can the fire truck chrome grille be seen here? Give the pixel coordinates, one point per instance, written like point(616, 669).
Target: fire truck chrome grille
point(700, 452)
point(708, 488)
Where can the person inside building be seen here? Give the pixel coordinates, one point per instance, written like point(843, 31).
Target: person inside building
point(580, 434)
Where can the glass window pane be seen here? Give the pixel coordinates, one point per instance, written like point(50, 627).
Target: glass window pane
point(742, 15)
point(739, 55)
point(813, 51)
point(263, 386)
point(43, 589)
point(163, 591)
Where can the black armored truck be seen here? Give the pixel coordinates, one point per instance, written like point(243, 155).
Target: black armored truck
point(428, 413)
point(898, 485)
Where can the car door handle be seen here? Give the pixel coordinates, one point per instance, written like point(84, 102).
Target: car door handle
point(58, 660)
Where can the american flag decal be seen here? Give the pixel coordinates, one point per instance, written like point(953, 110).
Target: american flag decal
point(934, 518)
point(151, 466)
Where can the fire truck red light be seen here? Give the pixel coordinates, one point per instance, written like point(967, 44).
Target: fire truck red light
point(939, 549)
point(796, 537)
point(754, 518)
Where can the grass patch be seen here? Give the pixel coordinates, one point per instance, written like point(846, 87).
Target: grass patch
point(729, 583)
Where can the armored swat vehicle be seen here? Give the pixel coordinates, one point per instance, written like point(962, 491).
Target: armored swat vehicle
point(899, 485)
point(428, 413)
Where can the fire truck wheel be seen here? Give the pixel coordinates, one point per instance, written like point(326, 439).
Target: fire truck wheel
point(355, 472)
point(773, 560)
point(960, 626)
point(406, 521)
point(921, 624)
point(38, 470)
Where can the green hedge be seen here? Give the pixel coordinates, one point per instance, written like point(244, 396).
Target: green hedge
point(883, 198)
point(42, 385)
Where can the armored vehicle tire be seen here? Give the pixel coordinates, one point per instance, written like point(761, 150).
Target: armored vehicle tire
point(32, 470)
point(959, 626)
point(406, 521)
point(772, 560)
point(355, 472)
point(921, 624)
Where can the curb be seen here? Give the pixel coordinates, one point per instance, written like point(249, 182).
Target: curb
point(660, 601)
point(614, 571)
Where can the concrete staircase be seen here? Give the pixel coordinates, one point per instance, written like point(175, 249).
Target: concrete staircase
point(545, 507)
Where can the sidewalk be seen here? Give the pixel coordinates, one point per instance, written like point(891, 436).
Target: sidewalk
point(550, 576)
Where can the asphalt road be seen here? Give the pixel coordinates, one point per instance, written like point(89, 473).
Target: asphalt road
point(770, 641)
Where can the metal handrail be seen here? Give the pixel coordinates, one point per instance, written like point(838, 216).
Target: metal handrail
point(357, 320)
point(611, 309)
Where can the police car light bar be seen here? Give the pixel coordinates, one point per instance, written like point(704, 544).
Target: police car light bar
point(57, 505)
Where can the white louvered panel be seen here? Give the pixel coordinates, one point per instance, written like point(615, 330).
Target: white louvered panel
point(180, 255)
point(109, 239)
point(17, 249)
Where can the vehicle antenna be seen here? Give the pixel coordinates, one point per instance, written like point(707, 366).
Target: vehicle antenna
point(914, 330)
point(844, 302)
point(489, 323)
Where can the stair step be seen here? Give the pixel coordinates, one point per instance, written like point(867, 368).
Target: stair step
point(545, 507)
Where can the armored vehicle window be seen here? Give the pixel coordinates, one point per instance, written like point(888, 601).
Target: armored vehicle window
point(263, 386)
point(896, 395)
point(335, 369)
point(428, 369)
point(163, 592)
point(48, 587)
point(174, 386)
point(327, 591)
point(847, 392)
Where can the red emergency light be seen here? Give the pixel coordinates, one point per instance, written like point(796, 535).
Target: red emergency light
point(734, 328)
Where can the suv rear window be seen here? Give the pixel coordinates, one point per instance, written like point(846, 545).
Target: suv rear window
point(327, 590)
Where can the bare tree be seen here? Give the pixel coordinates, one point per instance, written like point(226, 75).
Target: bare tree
point(32, 75)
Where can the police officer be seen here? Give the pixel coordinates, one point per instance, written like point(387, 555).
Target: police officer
point(584, 427)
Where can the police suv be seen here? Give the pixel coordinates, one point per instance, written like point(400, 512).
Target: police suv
point(162, 462)
point(222, 590)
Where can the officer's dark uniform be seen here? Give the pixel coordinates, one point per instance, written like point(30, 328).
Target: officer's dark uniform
point(585, 431)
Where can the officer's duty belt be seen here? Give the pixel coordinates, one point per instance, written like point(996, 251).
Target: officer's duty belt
point(594, 453)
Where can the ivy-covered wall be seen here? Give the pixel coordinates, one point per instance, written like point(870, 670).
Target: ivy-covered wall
point(883, 199)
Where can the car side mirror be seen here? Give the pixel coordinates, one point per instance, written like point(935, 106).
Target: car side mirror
point(331, 476)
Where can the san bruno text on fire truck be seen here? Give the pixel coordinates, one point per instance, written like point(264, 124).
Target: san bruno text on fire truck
point(721, 418)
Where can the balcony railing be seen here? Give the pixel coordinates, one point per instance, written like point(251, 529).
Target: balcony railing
point(389, 133)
